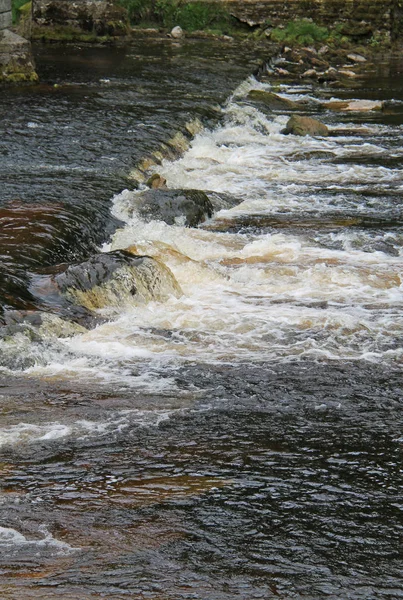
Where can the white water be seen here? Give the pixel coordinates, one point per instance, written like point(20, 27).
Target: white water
point(12, 541)
point(27, 433)
point(257, 295)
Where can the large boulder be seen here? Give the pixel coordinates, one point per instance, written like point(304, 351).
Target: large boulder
point(271, 101)
point(298, 125)
point(182, 207)
point(115, 279)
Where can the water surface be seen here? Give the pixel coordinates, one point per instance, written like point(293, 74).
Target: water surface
point(243, 440)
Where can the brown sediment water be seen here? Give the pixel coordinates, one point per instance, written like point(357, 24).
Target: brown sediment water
point(241, 439)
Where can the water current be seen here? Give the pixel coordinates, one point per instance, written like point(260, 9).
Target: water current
point(242, 440)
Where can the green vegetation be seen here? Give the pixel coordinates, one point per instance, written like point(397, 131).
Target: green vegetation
point(18, 7)
point(66, 33)
point(190, 16)
point(302, 32)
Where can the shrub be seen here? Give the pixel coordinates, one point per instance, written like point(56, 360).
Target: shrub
point(168, 13)
point(303, 32)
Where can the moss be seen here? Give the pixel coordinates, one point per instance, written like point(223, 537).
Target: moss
point(19, 77)
point(18, 70)
point(65, 33)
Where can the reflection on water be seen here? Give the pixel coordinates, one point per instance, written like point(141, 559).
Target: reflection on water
point(244, 439)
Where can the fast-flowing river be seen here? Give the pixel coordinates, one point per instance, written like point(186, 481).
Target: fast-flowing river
point(240, 441)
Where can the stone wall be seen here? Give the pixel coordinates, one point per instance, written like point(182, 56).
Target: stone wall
point(16, 61)
point(354, 15)
point(5, 14)
point(359, 18)
point(98, 17)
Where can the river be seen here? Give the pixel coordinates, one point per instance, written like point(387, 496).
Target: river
point(243, 440)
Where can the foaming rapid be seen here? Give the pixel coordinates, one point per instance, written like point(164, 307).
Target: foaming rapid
point(13, 543)
point(306, 265)
point(30, 433)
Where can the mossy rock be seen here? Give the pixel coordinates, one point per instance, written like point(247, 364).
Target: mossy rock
point(271, 101)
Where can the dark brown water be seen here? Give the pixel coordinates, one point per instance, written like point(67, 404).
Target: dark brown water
point(242, 441)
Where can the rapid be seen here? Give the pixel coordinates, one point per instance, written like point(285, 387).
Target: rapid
point(243, 438)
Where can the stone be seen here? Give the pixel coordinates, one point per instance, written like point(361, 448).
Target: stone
point(182, 207)
point(52, 19)
point(177, 32)
point(271, 101)
point(329, 75)
point(319, 63)
point(355, 105)
point(357, 58)
point(282, 72)
point(16, 60)
point(299, 125)
point(310, 73)
point(39, 325)
point(347, 73)
point(6, 20)
point(156, 182)
point(117, 278)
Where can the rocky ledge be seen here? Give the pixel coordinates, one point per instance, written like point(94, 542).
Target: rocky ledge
point(325, 64)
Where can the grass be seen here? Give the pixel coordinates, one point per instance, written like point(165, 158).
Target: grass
point(16, 5)
point(190, 16)
point(302, 32)
point(65, 33)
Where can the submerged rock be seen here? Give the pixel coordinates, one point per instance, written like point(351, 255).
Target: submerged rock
point(117, 278)
point(184, 207)
point(271, 101)
point(298, 125)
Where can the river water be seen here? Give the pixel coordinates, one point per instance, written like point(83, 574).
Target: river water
point(243, 440)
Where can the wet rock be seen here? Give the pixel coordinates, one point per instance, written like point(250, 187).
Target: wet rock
point(310, 74)
point(282, 72)
point(298, 125)
point(184, 207)
point(357, 58)
point(38, 325)
point(329, 75)
point(355, 105)
point(347, 73)
point(347, 132)
point(177, 32)
point(319, 63)
point(156, 182)
point(115, 279)
point(358, 30)
point(271, 101)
